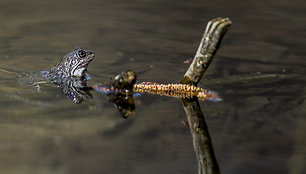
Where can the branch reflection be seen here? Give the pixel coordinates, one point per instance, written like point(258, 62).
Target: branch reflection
point(119, 91)
point(207, 162)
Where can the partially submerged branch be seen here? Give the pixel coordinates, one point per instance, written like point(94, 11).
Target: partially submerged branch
point(124, 83)
point(176, 90)
point(210, 42)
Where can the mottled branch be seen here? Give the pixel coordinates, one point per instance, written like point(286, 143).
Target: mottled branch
point(210, 42)
point(176, 90)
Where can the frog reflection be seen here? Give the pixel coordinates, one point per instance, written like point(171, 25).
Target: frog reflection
point(75, 89)
point(70, 74)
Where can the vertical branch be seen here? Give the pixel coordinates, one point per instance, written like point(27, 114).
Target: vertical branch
point(210, 42)
point(207, 162)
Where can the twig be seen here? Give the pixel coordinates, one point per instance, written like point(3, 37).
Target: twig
point(176, 90)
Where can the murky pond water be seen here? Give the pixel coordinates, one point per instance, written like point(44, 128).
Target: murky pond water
point(259, 127)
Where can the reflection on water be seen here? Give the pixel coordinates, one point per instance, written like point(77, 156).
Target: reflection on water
point(207, 162)
point(258, 128)
point(75, 89)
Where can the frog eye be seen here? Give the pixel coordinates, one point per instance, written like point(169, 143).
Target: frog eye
point(81, 54)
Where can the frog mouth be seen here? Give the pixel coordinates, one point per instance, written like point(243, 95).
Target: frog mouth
point(79, 71)
point(81, 68)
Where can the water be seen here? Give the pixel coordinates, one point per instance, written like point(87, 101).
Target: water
point(258, 128)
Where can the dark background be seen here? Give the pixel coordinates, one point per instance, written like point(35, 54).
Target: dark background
point(259, 72)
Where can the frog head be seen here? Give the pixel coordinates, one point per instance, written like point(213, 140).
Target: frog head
point(76, 62)
point(73, 64)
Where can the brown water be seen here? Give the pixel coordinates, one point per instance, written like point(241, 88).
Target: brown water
point(260, 127)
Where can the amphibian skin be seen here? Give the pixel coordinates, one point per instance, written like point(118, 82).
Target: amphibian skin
point(73, 64)
point(69, 75)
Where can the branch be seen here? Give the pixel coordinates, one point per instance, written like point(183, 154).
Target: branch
point(209, 45)
point(210, 42)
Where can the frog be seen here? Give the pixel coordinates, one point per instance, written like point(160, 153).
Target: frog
point(69, 74)
point(73, 64)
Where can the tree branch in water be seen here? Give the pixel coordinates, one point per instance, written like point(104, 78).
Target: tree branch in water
point(210, 42)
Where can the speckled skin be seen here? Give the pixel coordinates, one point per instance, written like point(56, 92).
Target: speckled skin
point(73, 64)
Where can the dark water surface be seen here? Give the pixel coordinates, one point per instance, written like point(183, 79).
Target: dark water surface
point(260, 127)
